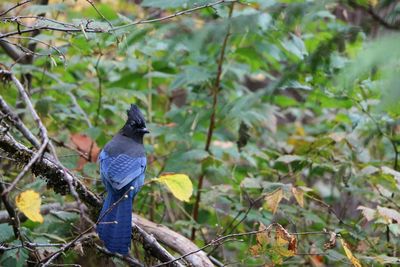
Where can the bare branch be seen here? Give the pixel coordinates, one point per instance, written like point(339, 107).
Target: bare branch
point(88, 29)
point(61, 54)
point(57, 178)
point(129, 260)
point(27, 167)
point(173, 240)
point(15, 6)
point(13, 218)
point(16, 121)
point(374, 15)
point(78, 107)
point(44, 209)
point(100, 14)
point(70, 244)
point(214, 90)
point(12, 51)
point(218, 242)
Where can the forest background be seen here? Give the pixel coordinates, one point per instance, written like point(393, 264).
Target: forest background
point(275, 130)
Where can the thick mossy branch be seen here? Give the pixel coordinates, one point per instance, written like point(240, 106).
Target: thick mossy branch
point(57, 178)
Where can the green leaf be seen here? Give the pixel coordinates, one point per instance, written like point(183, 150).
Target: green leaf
point(40, 9)
point(6, 232)
point(195, 154)
point(15, 257)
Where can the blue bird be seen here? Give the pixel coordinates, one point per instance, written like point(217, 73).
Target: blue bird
point(122, 170)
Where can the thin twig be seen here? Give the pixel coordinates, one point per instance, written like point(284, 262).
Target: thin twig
point(129, 260)
point(329, 207)
point(88, 29)
point(28, 244)
point(211, 127)
point(76, 104)
point(374, 15)
point(16, 121)
point(43, 131)
point(100, 92)
point(61, 54)
point(384, 134)
point(11, 212)
point(15, 6)
point(63, 144)
point(100, 14)
point(25, 97)
point(53, 256)
point(217, 242)
point(12, 19)
point(389, 199)
point(27, 167)
point(13, 51)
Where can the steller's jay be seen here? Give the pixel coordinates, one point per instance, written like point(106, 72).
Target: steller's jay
point(122, 168)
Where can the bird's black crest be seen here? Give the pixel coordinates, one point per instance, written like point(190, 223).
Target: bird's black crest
point(135, 115)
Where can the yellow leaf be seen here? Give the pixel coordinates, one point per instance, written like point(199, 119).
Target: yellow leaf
point(299, 129)
point(28, 202)
point(179, 185)
point(282, 251)
point(299, 196)
point(272, 200)
point(373, 2)
point(349, 254)
point(262, 236)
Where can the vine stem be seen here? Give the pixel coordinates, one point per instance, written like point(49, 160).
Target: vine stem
point(215, 91)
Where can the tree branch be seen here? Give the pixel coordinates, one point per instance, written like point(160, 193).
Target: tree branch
point(57, 178)
point(215, 91)
point(166, 236)
point(374, 15)
point(14, 7)
point(173, 240)
point(88, 29)
point(16, 121)
point(13, 218)
point(14, 53)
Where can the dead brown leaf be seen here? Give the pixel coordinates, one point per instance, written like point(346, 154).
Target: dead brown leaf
point(87, 146)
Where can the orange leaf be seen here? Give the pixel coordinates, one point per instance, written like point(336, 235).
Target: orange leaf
point(293, 244)
point(87, 146)
point(255, 250)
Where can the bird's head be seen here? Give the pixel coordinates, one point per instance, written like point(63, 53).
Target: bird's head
point(135, 126)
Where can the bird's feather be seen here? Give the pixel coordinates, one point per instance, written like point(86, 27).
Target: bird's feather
point(119, 174)
point(122, 168)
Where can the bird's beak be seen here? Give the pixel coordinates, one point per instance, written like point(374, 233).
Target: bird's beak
point(144, 130)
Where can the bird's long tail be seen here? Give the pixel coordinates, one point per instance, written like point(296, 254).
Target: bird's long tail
point(115, 227)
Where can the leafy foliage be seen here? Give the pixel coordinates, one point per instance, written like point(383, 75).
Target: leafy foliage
point(306, 133)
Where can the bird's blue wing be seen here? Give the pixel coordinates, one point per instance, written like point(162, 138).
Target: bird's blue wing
point(119, 173)
point(121, 170)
